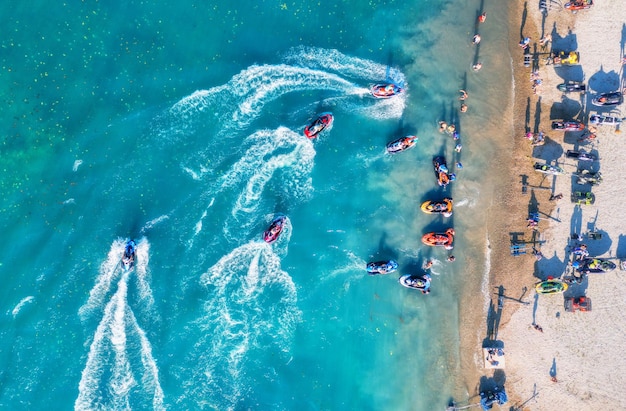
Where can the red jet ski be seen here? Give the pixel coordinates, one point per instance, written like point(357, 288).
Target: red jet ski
point(271, 234)
point(385, 90)
point(320, 124)
point(568, 126)
point(578, 5)
point(440, 239)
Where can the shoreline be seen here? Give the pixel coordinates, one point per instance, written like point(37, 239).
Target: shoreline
point(533, 358)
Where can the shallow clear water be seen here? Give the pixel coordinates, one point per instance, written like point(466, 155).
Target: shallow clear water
point(181, 126)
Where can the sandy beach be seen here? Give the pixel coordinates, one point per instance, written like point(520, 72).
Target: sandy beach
point(572, 359)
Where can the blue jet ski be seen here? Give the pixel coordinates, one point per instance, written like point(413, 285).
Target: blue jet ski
point(381, 267)
point(418, 282)
point(128, 260)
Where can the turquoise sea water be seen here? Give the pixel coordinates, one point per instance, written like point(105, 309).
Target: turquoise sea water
point(180, 125)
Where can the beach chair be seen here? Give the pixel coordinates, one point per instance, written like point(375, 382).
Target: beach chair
point(518, 249)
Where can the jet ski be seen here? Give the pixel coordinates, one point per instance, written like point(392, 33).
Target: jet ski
point(385, 90)
point(271, 234)
point(441, 171)
point(489, 398)
point(567, 126)
point(594, 265)
point(572, 87)
point(401, 144)
point(440, 239)
point(548, 169)
point(576, 5)
point(418, 282)
point(580, 155)
point(588, 177)
point(438, 207)
point(551, 287)
point(321, 123)
point(128, 260)
point(583, 197)
point(613, 98)
point(381, 267)
point(599, 120)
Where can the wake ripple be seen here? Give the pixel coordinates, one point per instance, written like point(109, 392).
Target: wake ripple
point(120, 372)
point(253, 306)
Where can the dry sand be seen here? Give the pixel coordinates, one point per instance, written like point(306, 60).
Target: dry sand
point(584, 351)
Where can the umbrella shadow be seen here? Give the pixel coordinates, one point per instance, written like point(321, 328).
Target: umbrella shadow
point(566, 43)
point(567, 108)
point(603, 81)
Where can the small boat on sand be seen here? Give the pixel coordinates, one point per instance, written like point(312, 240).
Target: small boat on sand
point(580, 155)
point(444, 240)
point(572, 87)
point(320, 124)
point(381, 267)
point(401, 144)
point(568, 126)
point(600, 120)
point(550, 286)
point(418, 282)
point(443, 207)
point(548, 169)
point(613, 98)
point(271, 234)
point(385, 90)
